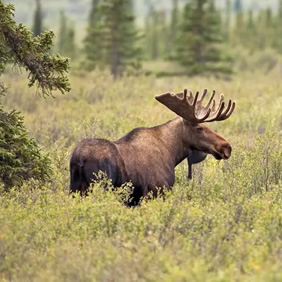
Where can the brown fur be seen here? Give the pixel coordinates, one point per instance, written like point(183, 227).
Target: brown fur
point(145, 156)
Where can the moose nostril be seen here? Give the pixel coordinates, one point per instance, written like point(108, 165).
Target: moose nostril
point(227, 151)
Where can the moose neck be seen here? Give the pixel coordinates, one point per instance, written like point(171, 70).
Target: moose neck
point(171, 134)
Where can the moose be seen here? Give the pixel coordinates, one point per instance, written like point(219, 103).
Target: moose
point(147, 157)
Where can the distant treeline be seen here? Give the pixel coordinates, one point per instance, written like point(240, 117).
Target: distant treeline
point(197, 35)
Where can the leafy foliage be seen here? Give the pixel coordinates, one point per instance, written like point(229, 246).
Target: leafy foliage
point(225, 225)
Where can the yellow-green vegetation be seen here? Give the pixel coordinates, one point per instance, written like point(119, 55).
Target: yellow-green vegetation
point(225, 225)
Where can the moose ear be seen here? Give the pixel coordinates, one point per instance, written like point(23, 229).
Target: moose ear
point(194, 157)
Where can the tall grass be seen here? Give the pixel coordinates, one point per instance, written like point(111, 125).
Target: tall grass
point(225, 225)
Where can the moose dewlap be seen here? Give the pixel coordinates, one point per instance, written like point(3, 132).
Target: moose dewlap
point(148, 156)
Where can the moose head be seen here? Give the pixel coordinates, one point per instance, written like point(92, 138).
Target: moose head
point(199, 138)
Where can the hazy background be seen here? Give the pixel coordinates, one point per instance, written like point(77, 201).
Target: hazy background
point(78, 10)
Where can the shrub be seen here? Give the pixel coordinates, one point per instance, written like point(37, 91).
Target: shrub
point(20, 156)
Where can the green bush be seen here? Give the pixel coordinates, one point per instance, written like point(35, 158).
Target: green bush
point(225, 225)
point(20, 156)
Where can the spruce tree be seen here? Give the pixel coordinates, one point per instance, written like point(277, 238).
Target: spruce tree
point(93, 45)
point(147, 42)
point(164, 34)
point(238, 6)
point(154, 32)
point(227, 19)
point(251, 32)
point(265, 26)
point(66, 43)
point(151, 42)
point(155, 35)
point(119, 36)
point(199, 43)
point(173, 28)
point(239, 30)
point(62, 32)
point(278, 30)
point(38, 18)
point(70, 48)
point(20, 156)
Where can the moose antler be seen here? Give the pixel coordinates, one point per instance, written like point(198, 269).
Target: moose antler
point(191, 109)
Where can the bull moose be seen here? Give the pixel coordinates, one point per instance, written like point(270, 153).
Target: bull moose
point(147, 157)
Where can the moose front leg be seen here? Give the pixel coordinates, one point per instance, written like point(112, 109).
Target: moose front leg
point(189, 170)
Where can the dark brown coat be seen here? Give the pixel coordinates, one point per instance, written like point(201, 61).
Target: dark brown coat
point(145, 156)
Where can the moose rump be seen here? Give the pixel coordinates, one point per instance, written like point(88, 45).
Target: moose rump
point(90, 157)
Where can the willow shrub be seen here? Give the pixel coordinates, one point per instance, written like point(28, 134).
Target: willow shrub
point(225, 225)
point(218, 227)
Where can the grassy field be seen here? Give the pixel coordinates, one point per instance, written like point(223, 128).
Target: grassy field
point(225, 225)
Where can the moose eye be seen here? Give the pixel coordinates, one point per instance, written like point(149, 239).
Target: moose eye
point(199, 129)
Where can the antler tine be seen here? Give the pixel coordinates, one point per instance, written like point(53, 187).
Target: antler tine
point(229, 110)
point(190, 98)
point(195, 99)
point(185, 95)
point(200, 109)
point(219, 113)
point(213, 106)
point(220, 110)
point(210, 100)
point(203, 95)
point(216, 111)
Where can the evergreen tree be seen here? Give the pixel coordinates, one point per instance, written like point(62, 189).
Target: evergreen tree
point(148, 36)
point(120, 35)
point(112, 38)
point(70, 48)
point(239, 30)
point(20, 156)
point(238, 8)
point(151, 43)
point(227, 19)
point(199, 44)
point(62, 33)
point(93, 45)
point(265, 36)
point(155, 35)
point(66, 44)
point(268, 18)
point(278, 30)
point(250, 23)
point(173, 27)
point(158, 35)
point(37, 23)
point(251, 32)
point(164, 31)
